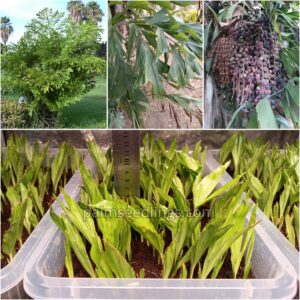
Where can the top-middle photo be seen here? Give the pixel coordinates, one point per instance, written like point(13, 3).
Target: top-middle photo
point(155, 64)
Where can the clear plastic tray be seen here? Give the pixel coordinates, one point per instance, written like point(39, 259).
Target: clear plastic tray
point(287, 249)
point(275, 278)
point(12, 274)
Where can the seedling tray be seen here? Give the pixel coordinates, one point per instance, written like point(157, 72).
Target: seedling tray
point(12, 274)
point(281, 242)
point(274, 276)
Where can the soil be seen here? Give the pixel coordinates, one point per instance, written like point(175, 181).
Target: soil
point(5, 215)
point(142, 257)
point(167, 114)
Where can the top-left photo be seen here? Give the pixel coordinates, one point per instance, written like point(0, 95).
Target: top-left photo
point(53, 64)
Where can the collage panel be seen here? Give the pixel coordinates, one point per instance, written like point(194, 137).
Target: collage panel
point(149, 149)
point(211, 206)
point(53, 64)
point(251, 64)
point(155, 64)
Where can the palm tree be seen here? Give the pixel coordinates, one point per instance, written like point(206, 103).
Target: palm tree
point(6, 29)
point(76, 9)
point(93, 12)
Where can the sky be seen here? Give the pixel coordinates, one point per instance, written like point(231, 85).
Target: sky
point(21, 12)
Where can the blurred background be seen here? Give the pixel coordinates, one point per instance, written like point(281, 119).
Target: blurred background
point(213, 139)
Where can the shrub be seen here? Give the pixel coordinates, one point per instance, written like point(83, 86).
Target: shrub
point(53, 64)
point(14, 114)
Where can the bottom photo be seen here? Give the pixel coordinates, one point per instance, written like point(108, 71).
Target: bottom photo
point(158, 214)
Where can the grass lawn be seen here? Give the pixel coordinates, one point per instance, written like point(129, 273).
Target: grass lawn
point(90, 111)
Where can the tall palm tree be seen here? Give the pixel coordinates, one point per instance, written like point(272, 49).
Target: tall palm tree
point(93, 12)
point(76, 9)
point(6, 29)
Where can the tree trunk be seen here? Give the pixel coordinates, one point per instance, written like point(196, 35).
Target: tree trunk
point(208, 103)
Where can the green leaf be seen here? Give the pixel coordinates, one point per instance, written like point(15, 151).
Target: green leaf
point(131, 39)
point(293, 91)
point(216, 252)
point(58, 166)
point(68, 259)
point(151, 73)
point(202, 188)
point(225, 187)
point(146, 228)
point(189, 162)
point(162, 44)
point(296, 221)
point(117, 263)
point(99, 158)
point(265, 115)
point(14, 233)
point(140, 4)
point(176, 72)
point(76, 242)
point(169, 259)
point(289, 229)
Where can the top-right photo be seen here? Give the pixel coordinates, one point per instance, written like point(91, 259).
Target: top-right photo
point(251, 64)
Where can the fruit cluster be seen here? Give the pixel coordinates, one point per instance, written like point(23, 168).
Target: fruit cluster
point(254, 66)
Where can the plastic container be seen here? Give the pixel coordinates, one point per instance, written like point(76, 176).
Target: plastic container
point(12, 274)
point(287, 249)
point(274, 275)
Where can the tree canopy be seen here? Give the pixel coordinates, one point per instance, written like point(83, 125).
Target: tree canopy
point(53, 64)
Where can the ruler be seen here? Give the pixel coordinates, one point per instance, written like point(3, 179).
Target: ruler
point(126, 156)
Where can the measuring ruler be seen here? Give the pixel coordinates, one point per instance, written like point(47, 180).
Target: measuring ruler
point(126, 155)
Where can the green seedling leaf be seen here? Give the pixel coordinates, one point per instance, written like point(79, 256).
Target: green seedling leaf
point(58, 166)
point(284, 198)
point(99, 158)
point(218, 249)
point(117, 263)
point(90, 185)
point(37, 203)
point(289, 229)
point(78, 246)
point(202, 188)
point(225, 187)
point(296, 220)
point(14, 233)
point(189, 162)
point(68, 259)
point(146, 228)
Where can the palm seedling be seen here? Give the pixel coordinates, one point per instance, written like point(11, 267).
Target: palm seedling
point(272, 178)
point(29, 185)
point(192, 226)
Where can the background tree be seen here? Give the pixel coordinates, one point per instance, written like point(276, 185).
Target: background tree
point(53, 65)
point(93, 12)
point(78, 12)
point(6, 29)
